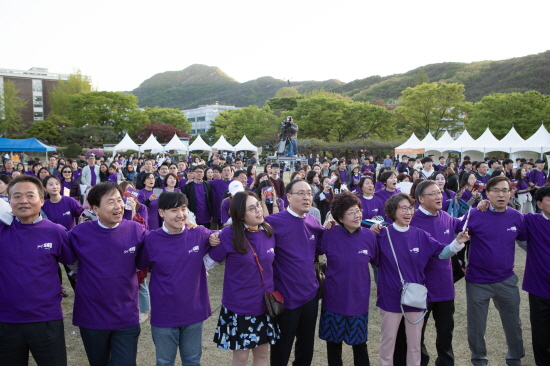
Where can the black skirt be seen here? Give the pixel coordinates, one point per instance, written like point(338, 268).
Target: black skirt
point(241, 332)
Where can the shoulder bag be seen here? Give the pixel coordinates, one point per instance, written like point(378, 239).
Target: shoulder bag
point(412, 294)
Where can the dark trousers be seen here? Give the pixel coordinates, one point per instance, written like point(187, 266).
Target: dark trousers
point(296, 323)
point(442, 312)
point(45, 340)
point(539, 314)
point(360, 354)
point(111, 347)
point(67, 270)
point(400, 351)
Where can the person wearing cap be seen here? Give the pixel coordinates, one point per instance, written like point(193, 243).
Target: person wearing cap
point(334, 164)
point(537, 178)
point(90, 173)
point(235, 187)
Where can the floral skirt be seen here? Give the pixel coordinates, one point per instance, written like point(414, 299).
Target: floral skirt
point(241, 332)
point(339, 328)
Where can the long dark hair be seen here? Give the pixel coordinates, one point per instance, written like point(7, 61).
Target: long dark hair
point(518, 176)
point(237, 210)
point(445, 188)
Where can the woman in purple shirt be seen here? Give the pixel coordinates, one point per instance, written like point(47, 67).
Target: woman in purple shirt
point(345, 309)
point(34, 170)
point(146, 194)
point(68, 181)
point(113, 175)
point(523, 191)
point(246, 245)
point(440, 179)
point(372, 206)
point(469, 192)
point(171, 183)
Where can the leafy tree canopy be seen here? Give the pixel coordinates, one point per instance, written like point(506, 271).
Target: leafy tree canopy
point(45, 130)
point(10, 104)
point(163, 132)
point(168, 116)
point(59, 96)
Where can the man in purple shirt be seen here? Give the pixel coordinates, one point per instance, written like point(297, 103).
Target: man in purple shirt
point(490, 272)
point(31, 318)
point(537, 178)
point(297, 235)
point(199, 194)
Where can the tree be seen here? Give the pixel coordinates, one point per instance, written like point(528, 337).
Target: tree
point(59, 96)
point(287, 92)
point(501, 111)
point(422, 77)
point(44, 130)
point(109, 109)
point(10, 104)
point(433, 108)
point(259, 125)
point(169, 116)
point(278, 105)
point(162, 132)
point(91, 134)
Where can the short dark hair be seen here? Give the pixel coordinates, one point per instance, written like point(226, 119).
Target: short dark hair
point(478, 164)
point(496, 180)
point(217, 168)
point(364, 179)
point(99, 190)
point(145, 176)
point(341, 203)
point(195, 167)
point(171, 199)
point(164, 182)
point(23, 178)
point(441, 157)
point(497, 173)
point(393, 202)
point(426, 160)
point(289, 186)
point(466, 162)
point(275, 165)
point(542, 192)
point(323, 161)
point(238, 172)
point(238, 159)
point(421, 187)
point(507, 161)
point(491, 162)
point(385, 176)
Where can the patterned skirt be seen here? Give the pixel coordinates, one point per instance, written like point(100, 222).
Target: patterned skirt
point(339, 328)
point(240, 332)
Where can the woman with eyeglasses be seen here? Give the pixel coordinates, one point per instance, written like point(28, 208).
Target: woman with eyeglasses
point(67, 181)
point(349, 249)
point(247, 245)
point(413, 248)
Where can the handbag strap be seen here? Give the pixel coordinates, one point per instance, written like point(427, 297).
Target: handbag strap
point(394, 256)
point(258, 263)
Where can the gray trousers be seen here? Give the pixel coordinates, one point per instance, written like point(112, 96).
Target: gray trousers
point(506, 298)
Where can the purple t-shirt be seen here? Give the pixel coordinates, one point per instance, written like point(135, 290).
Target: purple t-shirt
point(537, 177)
point(249, 181)
point(343, 177)
point(153, 218)
point(106, 295)
point(225, 211)
point(492, 245)
point(29, 253)
point(201, 211)
point(64, 212)
point(219, 186)
point(77, 174)
point(355, 180)
point(144, 195)
point(178, 286)
point(413, 248)
point(182, 183)
point(243, 288)
point(364, 169)
point(347, 281)
point(447, 195)
point(536, 280)
point(378, 186)
point(372, 207)
point(296, 241)
point(93, 179)
point(142, 210)
point(438, 272)
point(113, 178)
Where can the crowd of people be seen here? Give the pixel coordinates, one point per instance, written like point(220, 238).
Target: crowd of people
point(136, 236)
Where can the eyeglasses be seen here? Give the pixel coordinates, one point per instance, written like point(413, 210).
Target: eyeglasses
point(406, 208)
point(256, 208)
point(438, 193)
point(497, 191)
point(356, 213)
point(301, 194)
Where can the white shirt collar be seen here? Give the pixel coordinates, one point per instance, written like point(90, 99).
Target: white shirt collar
point(426, 212)
point(368, 198)
point(105, 227)
point(399, 228)
point(543, 215)
point(294, 213)
point(168, 231)
point(36, 221)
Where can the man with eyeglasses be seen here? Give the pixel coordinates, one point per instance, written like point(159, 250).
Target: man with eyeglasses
point(297, 234)
point(490, 272)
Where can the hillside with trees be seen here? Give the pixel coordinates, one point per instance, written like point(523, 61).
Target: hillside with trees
point(201, 84)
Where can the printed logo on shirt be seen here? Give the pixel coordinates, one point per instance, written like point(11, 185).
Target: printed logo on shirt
point(446, 232)
point(415, 250)
point(312, 237)
point(67, 213)
point(195, 249)
point(272, 250)
point(47, 246)
point(375, 210)
point(365, 252)
point(131, 250)
point(513, 228)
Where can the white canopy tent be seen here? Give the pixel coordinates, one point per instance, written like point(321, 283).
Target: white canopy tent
point(441, 145)
point(152, 144)
point(411, 146)
point(539, 142)
point(480, 144)
point(175, 144)
point(508, 142)
point(245, 145)
point(126, 144)
point(199, 144)
point(428, 140)
point(222, 144)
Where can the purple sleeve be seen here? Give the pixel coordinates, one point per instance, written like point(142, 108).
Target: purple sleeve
point(66, 253)
point(142, 258)
point(218, 253)
point(144, 212)
point(225, 211)
point(523, 234)
point(76, 208)
point(281, 204)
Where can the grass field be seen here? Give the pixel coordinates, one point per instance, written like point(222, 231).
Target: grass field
point(496, 343)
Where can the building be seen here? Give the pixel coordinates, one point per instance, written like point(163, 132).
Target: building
point(202, 117)
point(35, 86)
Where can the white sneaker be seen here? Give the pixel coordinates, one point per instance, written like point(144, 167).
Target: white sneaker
point(143, 317)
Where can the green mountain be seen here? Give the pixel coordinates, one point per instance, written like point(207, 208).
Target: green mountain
point(201, 84)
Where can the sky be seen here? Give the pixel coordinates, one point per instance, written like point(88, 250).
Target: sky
point(120, 43)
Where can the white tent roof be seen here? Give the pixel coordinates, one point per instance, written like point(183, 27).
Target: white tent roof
point(151, 144)
point(246, 145)
point(508, 142)
point(222, 144)
point(486, 139)
point(175, 144)
point(539, 142)
point(199, 144)
point(442, 144)
point(462, 140)
point(412, 145)
point(126, 144)
point(427, 141)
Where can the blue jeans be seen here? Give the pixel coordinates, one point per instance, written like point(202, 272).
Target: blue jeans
point(144, 299)
point(294, 144)
point(188, 338)
point(111, 347)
